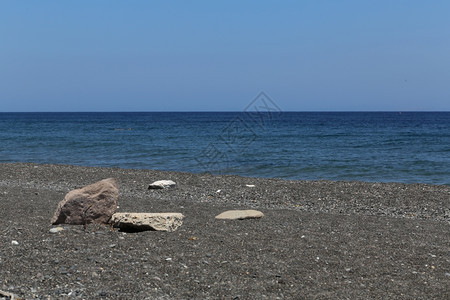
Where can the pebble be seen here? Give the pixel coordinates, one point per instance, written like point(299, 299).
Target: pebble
point(56, 229)
point(15, 243)
point(102, 294)
point(63, 271)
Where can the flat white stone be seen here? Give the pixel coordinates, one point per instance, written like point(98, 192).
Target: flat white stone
point(162, 184)
point(147, 221)
point(240, 215)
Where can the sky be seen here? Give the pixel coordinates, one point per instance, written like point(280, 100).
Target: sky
point(316, 55)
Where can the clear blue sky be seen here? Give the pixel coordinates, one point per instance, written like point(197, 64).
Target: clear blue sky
point(217, 56)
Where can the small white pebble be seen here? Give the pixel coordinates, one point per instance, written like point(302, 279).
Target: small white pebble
point(15, 242)
point(302, 237)
point(168, 259)
point(218, 191)
point(250, 185)
point(56, 229)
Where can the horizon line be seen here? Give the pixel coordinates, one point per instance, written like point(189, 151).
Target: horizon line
point(233, 111)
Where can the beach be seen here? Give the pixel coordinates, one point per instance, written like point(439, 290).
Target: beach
point(317, 239)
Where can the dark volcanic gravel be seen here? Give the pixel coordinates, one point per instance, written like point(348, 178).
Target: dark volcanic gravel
point(318, 239)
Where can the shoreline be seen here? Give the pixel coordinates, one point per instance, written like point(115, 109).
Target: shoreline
point(377, 198)
point(218, 173)
point(317, 239)
point(215, 174)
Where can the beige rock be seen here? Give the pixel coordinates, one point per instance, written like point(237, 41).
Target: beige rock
point(95, 203)
point(240, 215)
point(147, 221)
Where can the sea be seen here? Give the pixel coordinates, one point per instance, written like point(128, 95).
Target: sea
point(408, 147)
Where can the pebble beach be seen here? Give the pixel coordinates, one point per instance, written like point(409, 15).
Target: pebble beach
point(317, 239)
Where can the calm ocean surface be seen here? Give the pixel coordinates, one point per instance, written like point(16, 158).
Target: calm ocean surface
point(374, 146)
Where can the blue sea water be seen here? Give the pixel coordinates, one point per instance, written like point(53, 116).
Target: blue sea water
point(369, 146)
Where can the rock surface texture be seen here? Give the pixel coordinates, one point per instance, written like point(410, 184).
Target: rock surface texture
point(147, 221)
point(95, 203)
point(240, 215)
point(161, 184)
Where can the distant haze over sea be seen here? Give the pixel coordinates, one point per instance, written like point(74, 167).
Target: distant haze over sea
point(368, 146)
